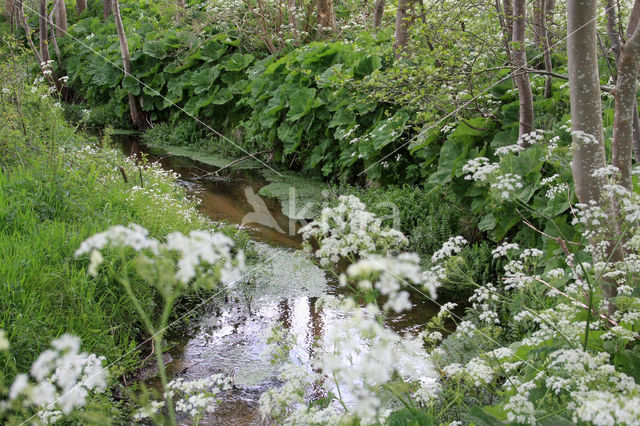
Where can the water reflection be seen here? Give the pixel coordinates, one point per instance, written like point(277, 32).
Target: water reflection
point(283, 288)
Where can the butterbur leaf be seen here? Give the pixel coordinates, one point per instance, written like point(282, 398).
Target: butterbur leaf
point(212, 51)
point(291, 136)
point(300, 103)
point(367, 65)
point(131, 85)
point(389, 130)
point(238, 62)
point(202, 80)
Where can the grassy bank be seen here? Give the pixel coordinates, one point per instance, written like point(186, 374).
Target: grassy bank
point(57, 188)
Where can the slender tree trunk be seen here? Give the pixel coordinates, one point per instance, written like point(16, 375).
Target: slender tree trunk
point(326, 16)
point(546, 45)
point(81, 5)
point(538, 22)
point(61, 18)
point(136, 114)
point(507, 6)
point(612, 29)
point(378, 12)
point(586, 119)
point(586, 108)
point(54, 41)
point(633, 24)
point(402, 28)
point(27, 30)
point(634, 18)
point(106, 9)
point(506, 34)
point(550, 7)
point(520, 63)
point(44, 43)
point(625, 108)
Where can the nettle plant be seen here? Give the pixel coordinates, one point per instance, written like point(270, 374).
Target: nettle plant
point(180, 265)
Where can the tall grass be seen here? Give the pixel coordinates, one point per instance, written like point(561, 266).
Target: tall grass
point(57, 188)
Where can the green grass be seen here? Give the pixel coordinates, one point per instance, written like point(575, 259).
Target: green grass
point(51, 201)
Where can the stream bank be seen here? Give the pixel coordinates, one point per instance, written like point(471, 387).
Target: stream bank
point(230, 337)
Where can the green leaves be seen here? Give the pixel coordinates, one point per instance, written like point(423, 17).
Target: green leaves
point(300, 103)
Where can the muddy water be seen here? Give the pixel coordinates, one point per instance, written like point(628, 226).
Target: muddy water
point(230, 337)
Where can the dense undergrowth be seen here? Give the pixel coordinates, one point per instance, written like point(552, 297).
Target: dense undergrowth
point(58, 187)
point(432, 142)
point(332, 108)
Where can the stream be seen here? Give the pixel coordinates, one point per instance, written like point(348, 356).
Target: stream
point(230, 338)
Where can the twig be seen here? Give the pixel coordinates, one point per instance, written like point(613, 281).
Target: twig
point(124, 174)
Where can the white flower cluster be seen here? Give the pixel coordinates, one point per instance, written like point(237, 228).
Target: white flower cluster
point(358, 357)
point(480, 169)
point(484, 299)
point(504, 150)
point(531, 138)
point(599, 394)
point(388, 275)
point(198, 396)
point(349, 231)
point(60, 380)
point(197, 252)
point(195, 397)
point(452, 246)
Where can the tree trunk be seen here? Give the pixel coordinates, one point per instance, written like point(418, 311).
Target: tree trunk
point(550, 7)
point(506, 34)
point(61, 18)
point(106, 9)
point(633, 24)
point(507, 6)
point(538, 22)
point(81, 5)
point(326, 17)
point(136, 114)
point(546, 45)
point(519, 64)
point(378, 13)
point(625, 108)
point(586, 108)
point(54, 30)
point(612, 29)
point(402, 29)
point(44, 43)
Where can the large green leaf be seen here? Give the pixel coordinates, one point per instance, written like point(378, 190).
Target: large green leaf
point(212, 51)
point(367, 65)
point(238, 62)
point(202, 80)
point(300, 103)
point(389, 130)
point(131, 85)
point(291, 136)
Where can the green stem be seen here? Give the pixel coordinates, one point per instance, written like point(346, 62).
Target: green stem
point(157, 341)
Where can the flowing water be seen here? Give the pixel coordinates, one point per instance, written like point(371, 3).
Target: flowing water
point(230, 337)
